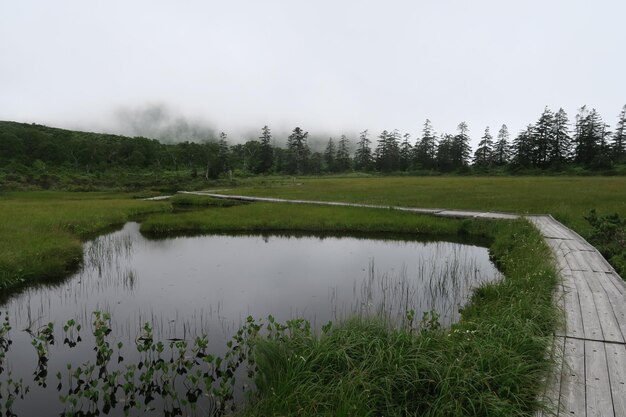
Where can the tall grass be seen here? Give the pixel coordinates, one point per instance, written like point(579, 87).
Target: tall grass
point(491, 363)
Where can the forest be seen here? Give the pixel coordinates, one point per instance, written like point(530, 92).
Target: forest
point(37, 156)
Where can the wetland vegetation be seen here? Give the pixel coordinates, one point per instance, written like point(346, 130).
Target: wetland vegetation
point(491, 362)
point(197, 291)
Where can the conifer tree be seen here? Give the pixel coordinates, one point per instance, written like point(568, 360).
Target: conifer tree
point(363, 156)
point(266, 152)
point(523, 149)
point(223, 153)
point(445, 157)
point(618, 146)
point(297, 152)
point(426, 148)
point(329, 156)
point(387, 152)
point(406, 153)
point(542, 137)
point(342, 159)
point(501, 150)
point(560, 147)
point(483, 157)
point(590, 137)
point(461, 149)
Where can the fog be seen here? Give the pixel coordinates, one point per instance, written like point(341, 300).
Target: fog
point(189, 70)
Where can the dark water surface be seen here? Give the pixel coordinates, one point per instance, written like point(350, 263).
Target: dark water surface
point(190, 286)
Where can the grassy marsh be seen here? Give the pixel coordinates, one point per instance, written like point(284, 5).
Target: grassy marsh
point(42, 232)
point(566, 198)
point(260, 217)
point(491, 363)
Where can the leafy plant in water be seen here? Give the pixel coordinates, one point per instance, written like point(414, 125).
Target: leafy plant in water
point(41, 341)
point(430, 321)
point(11, 390)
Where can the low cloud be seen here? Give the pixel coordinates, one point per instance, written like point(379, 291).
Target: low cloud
point(159, 121)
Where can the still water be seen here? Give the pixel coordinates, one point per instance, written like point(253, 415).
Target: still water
point(208, 285)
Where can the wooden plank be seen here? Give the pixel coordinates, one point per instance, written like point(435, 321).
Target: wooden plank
point(619, 283)
point(577, 244)
point(596, 261)
point(597, 383)
point(553, 231)
point(616, 300)
point(458, 213)
point(591, 321)
point(546, 227)
point(611, 330)
point(576, 261)
point(572, 400)
point(616, 360)
point(573, 313)
point(561, 262)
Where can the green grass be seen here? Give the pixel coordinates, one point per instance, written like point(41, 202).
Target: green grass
point(184, 201)
point(491, 363)
point(41, 233)
point(263, 217)
point(566, 198)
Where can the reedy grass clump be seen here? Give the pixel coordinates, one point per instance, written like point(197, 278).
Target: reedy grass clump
point(491, 363)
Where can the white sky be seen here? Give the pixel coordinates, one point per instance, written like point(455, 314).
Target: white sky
point(330, 67)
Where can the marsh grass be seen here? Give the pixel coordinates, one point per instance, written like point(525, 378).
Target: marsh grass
point(440, 287)
point(569, 199)
point(42, 232)
point(272, 217)
point(199, 201)
point(491, 363)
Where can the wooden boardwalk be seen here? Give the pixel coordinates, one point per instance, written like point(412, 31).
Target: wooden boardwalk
point(590, 376)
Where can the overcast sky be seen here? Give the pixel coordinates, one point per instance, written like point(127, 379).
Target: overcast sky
point(330, 67)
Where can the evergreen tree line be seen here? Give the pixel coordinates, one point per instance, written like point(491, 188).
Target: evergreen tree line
point(550, 143)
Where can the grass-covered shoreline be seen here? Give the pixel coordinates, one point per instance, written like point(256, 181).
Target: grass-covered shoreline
point(41, 233)
point(272, 217)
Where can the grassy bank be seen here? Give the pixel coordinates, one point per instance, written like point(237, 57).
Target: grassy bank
point(263, 217)
point(491, 363)
point(41, 233)
point(569, 199)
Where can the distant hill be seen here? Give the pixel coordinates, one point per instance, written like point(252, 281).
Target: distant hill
point(33, 155)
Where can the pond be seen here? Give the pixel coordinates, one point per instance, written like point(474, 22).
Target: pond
point(208, 285)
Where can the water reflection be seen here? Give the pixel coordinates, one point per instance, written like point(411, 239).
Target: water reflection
point(191, 286)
